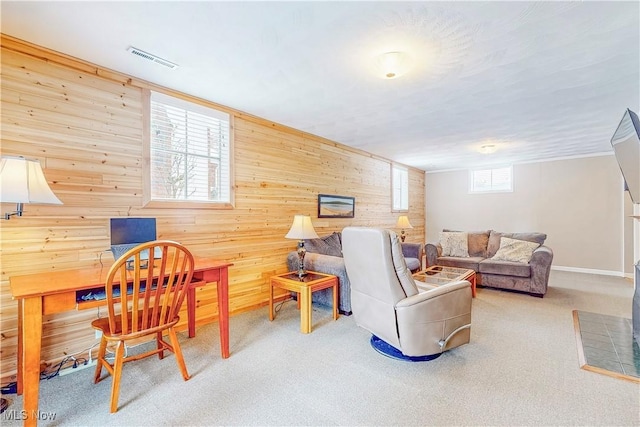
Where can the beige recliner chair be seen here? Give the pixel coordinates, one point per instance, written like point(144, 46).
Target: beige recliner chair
point(409, 320)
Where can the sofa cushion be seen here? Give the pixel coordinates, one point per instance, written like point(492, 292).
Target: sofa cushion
point(327, 245)
point(412, 250)
point(413, 264)
point(515, 250)
point(494, 240)
point(505, 268)
point(461, 262)
point(454, 243)
point(477, 242)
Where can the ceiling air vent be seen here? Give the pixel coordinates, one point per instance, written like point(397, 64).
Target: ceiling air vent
point(151, 57)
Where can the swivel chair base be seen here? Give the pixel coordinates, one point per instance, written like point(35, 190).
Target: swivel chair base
point(388, 350)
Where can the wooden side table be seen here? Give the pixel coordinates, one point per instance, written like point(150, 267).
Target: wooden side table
point(304, 287)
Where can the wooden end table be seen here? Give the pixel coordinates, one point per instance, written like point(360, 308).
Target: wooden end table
point(304, 287)
point(439, 275)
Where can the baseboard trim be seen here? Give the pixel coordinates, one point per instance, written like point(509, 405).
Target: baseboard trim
point(589, 271)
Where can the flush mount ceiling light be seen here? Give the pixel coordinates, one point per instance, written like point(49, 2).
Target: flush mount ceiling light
point(392, 65)
point(488, 148)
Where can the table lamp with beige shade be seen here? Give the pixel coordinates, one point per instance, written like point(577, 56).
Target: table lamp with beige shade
point(403, 222)
point(301, 229)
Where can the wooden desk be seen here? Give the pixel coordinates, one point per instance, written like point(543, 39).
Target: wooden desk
point(55, 292)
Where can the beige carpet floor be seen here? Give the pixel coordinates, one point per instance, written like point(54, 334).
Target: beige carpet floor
point(520, 369)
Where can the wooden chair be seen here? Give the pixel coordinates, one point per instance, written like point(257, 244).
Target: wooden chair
point(144, 296)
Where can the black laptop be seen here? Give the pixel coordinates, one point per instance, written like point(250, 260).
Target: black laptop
point(127, 233)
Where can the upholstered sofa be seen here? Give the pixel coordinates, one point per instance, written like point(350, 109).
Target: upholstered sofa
point(514, 261)
point(324, 255)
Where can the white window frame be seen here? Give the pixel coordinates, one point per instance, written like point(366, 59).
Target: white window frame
point(493, 187)
point(226, 178)
point(399, 188)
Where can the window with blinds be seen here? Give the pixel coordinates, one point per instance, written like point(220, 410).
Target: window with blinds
point(189, 151)
point(400, 188)
point(491, 180)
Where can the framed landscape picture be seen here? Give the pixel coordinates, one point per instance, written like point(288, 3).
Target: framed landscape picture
point(330, 206)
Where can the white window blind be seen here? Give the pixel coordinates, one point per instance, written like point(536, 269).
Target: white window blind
point(189, 151)
point(400, 188)
point(491, 180)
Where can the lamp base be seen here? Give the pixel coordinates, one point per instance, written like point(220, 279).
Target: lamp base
point(301, 253)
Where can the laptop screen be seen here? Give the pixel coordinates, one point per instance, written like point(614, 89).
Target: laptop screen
point(132, 230)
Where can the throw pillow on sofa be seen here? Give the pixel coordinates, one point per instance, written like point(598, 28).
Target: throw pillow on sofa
point(477, 242)
point(515, 250)
point(326, 245)
point(495, 236)
point(454, 243)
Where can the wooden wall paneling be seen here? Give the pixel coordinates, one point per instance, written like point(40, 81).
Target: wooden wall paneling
point(85, 124)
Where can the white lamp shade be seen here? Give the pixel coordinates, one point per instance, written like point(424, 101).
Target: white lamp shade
point(403, 222)
point(302, 228)
point(22, 181)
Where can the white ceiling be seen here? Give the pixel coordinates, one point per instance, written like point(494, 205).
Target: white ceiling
point(540, 80)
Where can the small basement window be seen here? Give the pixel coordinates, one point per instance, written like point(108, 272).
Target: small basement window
point(491, 180)
point(400, 188)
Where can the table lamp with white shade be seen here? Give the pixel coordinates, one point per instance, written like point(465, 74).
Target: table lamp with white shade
point(301, 229)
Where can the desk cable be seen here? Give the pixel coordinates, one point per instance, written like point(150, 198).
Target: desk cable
point(77, 361)
point(278, 306)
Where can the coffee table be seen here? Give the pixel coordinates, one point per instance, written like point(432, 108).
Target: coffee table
point(304, 287)
point(439, 275)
